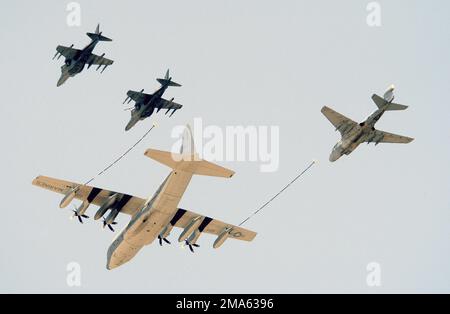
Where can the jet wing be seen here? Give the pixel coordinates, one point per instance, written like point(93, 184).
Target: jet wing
point(341, 122)
point(212, 226)
point(139, 96)
point(166, 104)
point(98, 60)
point(68, 52)
point(93, 195)
point(385, 137)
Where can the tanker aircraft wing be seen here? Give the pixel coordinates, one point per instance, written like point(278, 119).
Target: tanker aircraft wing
point(126, 204)
point(209, 225)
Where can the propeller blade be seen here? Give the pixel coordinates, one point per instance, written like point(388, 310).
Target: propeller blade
point(79, 219)
point(111, 228)
point(167, 241)
point(160, 240)
point(191, 246)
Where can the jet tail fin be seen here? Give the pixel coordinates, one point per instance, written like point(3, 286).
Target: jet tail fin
point(98, 35)
point(167, 80)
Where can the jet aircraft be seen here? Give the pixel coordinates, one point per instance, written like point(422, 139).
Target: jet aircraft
point(155, 217)
point(145, 104)
point(353, 133)
point(76, 59)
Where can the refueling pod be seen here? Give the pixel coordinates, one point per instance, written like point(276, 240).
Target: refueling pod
point(222, 237)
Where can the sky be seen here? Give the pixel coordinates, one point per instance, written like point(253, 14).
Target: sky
point(241, 63)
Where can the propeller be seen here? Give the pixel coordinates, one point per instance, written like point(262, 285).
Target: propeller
point(75, 214)
point(161, 239)
point(109, 225)
point(191, 245)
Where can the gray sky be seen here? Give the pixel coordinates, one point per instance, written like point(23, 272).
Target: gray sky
point(240, 63)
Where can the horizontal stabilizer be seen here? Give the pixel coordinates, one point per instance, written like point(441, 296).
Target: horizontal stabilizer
point(167, 82)
point(189, 163)
point(381, 102)
point(98, 37)
point(393, 107)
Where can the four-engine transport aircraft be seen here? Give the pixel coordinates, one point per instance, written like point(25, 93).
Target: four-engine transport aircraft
point(145, 104)
point(76, 59)
point(155, 217)
point(354, 133)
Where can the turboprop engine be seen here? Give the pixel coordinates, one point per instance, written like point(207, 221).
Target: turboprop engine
point(164, 234)
point(80, 211)
point(190, 228)
point(106, 205)
point(110, 219)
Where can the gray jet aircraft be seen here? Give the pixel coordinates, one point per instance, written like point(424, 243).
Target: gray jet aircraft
point(145, 104)
point(354, 133)
point(76, 59)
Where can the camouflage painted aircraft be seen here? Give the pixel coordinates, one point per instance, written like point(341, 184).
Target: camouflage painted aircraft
point(155, 217)
point(354, 133)
point(145, 104)
point(76, 59)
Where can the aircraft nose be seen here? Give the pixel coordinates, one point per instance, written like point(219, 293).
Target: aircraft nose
point(61, 80)
point(334, 156)
point(131, 123)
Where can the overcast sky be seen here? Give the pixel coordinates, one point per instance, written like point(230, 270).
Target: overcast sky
point(241, 63)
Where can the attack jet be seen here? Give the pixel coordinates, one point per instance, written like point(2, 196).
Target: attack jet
point(354, 133)
point(145, 104)
point(76, 59)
